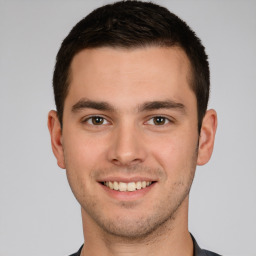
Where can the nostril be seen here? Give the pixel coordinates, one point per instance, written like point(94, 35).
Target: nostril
point(116, 162)
point(135, 161)
point(126, 162)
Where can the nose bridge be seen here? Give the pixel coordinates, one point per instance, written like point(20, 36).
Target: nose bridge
point(127, 146)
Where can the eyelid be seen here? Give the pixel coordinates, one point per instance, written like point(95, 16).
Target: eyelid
point(86, 120)
point(167, 119)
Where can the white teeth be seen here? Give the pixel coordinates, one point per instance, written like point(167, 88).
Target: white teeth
point(116, 186)
point(131, 186)
point(138, 185)
point(111, 185)
point(122, 186)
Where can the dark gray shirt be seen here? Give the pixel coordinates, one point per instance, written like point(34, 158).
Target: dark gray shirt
point(200, 252)
point(197, 250)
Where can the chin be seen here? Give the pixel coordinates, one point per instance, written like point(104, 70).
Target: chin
point(134, 227)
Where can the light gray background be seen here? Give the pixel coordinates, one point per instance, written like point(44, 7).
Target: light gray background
point(38, 213)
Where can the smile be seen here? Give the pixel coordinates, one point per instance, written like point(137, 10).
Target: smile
point(131, 186)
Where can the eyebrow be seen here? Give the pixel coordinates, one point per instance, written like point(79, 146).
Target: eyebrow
point(167, 104)
point(85, 103)
point(147, 106)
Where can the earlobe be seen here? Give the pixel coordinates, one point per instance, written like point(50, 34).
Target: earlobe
point(56, 138)
point(207, 137)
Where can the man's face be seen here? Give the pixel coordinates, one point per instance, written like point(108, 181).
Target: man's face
point(130, 119)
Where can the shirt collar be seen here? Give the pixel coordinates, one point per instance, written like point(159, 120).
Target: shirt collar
point(197, 251)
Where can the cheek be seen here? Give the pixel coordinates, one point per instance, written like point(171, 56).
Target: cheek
point(175, 153)
point(82, 153)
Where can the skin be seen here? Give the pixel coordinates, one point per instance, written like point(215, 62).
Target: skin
point(128, 90)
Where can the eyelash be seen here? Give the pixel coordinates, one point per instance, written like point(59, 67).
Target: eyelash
point(150, 121)
point(163, 118)
point(90, 119)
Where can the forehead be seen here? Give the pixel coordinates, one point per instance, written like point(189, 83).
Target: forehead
point(148, 72)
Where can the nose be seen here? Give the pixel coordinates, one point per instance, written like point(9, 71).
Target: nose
point(127, 146)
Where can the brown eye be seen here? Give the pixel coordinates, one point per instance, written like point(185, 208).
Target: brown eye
point(94, 121)
point(159, 120)
point(97, 120)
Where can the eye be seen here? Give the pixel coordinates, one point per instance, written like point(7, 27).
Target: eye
point(158, 120)
point(96, 120)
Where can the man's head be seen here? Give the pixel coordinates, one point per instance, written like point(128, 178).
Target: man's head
point(131, 87)
point(128, 25)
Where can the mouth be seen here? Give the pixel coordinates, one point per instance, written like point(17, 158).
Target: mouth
point(127, 187)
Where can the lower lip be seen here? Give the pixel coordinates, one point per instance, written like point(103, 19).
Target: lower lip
point(128, 195)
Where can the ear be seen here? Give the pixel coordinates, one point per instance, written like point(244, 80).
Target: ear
point(56, 138)
point(207, 136)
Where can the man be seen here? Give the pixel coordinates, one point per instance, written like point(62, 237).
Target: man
point(131, 86)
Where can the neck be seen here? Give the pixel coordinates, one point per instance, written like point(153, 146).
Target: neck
point(171, 238)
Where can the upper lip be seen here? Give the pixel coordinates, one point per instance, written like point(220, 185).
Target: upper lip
point(127, 179)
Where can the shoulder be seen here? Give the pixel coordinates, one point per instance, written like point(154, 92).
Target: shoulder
point(200, 252)
point(77, 253)
point(208, 253)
